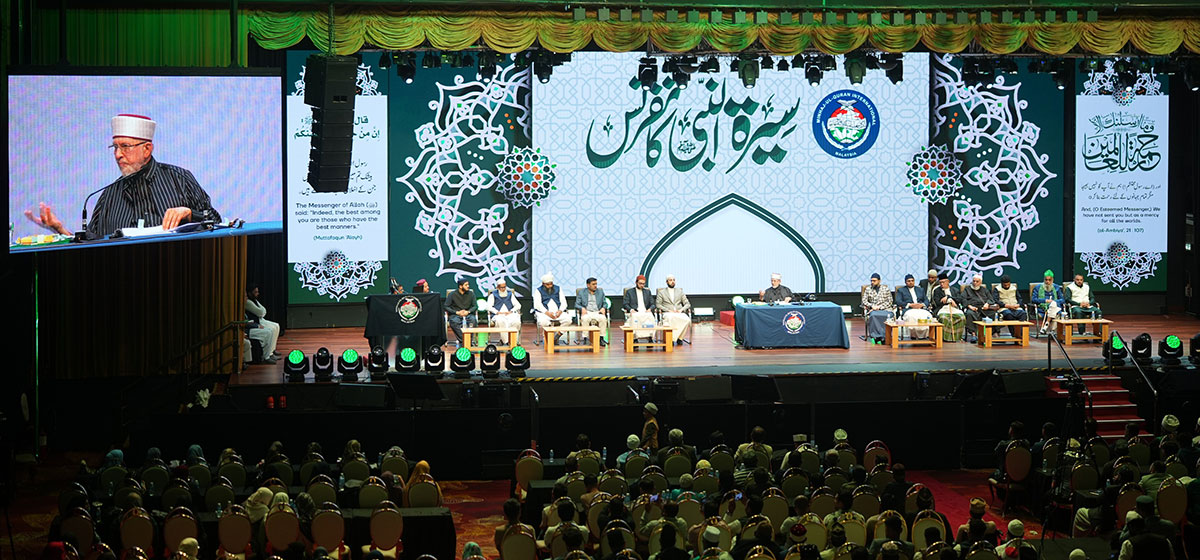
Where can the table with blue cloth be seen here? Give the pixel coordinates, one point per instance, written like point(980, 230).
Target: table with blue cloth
point(811, 325)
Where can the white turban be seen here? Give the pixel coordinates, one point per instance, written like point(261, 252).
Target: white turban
point(776, 276)
point(547, 278)
point(670, 277)
point(977, 275)
point(133, 126)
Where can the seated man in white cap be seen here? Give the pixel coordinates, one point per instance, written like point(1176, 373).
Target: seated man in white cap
point(674, 305)
point(502, 303)
point(1016, 540)
point(148, 191)
point(550, 304)
point(913, 305)
point(777, 292)
point(632, 443)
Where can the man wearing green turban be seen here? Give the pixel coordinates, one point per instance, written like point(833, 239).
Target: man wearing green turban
point(1049, 300)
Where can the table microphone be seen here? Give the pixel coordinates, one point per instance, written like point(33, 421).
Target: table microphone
point(81, 235)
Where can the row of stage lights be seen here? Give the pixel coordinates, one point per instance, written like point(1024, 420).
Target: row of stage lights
point(977, 70)
point(1170, 350)
point(350, 364)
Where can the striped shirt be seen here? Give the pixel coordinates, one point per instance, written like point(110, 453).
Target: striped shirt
point(148, 194)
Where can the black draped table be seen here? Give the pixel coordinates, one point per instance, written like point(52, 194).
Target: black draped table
point(417, 318)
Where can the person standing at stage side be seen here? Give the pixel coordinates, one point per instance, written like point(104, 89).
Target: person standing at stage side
point(461, 306)
point(1049, 300)
point(977, 304)
point(877, 304)
point(777, 292)
point(1008, 297)
point(592, 308)
point(550, 305)
point(638, 304)
point(1081, 301)
point(945, 301)
point(157, 193)
point(505, 309)
point(674, 305)
point(650, 427)
point(913, 305)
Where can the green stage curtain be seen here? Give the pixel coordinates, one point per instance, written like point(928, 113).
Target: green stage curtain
point(514, 31)
point(113, 36)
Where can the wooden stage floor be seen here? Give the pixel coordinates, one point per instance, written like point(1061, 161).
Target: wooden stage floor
point(713, 352)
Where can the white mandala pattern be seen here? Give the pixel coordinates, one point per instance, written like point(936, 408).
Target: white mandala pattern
point(337, 277)
point(1118, 266)
point(470, 123)
point(1009, 178)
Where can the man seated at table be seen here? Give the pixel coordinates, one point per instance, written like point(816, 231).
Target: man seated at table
point(913, 305)
point(977, 305)
point(550, 305)
point(1081, 301)
point(946, 300)
point(1049, 300)
point(1008, 297)
point(638, 304)
point(461, 306)
point(777, 293)
point(674, 305)
point(505, 309)
point(877, 303)
point(592, 308)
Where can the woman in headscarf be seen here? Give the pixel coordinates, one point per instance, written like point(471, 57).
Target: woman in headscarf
point(394, 485)
point(470, 550)
point(114, 458)
point(280, 499)
point(258, 504)
point(227, 456)
point(353, 448)
point(195, 456)
point(306, 510)
point(419, 470)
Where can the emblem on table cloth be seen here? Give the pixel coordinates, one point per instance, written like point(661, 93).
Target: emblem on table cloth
point(846, 124)
point(408, 308)
point(793, 322)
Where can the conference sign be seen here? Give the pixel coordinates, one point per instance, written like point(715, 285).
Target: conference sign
point(408, 308)
point(846, 124)
point(793, 322)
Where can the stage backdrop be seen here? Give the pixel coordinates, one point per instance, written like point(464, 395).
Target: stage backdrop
point(1121, 181)
point(721, 184)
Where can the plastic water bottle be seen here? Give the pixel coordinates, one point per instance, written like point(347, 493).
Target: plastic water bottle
point(341, 481)
point(220, 509)
point(604, 455)
point(551, 454)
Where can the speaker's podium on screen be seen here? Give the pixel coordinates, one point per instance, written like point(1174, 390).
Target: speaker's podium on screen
point(329, 87)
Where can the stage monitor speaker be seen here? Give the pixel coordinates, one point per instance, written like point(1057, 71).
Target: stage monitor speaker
point(1022, 383)
point(330, 88)
point(754, 388)
point(970, 385)
point(364, 395)
point(708, 389)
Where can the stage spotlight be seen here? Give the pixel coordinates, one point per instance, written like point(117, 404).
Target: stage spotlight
point(295, 366)
point(1089, 65)
point(783, 65)
point(431, 60)
point(647, 72)
point(1007, 65)
point(856, 68)
point(828, 63)
point(734, 65)
point(517, 361)
point(1126, 81)
point(813, 74)
point(748, 72)
point(467, 60)
point(435, 361)
point(406, 66)
point(1114, 351)
point(1170, 349)
point(462, 363)
point(710, 65)
point(489, 361)
point(385, 60)
point(1191, 76)
point(349, 363)
point(322, 364)
point(407, 360)
point(377, 363)
point(1060, 80)
point(799, 61)
point(1194, 349)
point(766, 62)
point(1140, 352)
point(487, 64)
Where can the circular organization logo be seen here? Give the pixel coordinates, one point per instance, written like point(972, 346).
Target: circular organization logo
point(793, 322)
point(846, 124)
point(408, 308)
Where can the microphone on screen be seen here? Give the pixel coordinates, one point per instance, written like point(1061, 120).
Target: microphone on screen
point(81, 235)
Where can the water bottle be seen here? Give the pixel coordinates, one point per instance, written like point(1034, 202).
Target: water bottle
point(341, 481)
point(551, 454)
point(220, 509)
point(604, 455)
point(111, 489)
point(150, 488)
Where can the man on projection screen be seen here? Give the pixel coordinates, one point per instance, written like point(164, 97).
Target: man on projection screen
point(156, 193)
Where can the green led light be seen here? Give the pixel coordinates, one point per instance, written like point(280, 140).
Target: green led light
point(518, 353)
point(295, 357)
point(408, 354)
point(350, 355)
point(1173, 342)
point(1117, 343)
point(462, 354)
